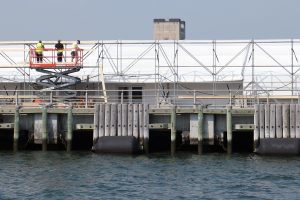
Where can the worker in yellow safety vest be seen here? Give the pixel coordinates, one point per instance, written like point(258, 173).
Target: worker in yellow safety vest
point(75, 48)
point(39, 51)
point(60, 49)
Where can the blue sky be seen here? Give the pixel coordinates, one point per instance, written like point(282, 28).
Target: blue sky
point(133, 19)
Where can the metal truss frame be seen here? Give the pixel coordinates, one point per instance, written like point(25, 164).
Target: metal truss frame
point(175, 62)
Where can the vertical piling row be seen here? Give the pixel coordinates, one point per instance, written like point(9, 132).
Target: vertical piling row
point(200, 129)
point(267, 121)
point(136, 121)
point(44, 128)
point(272, 121)
point(298, 121)
point(278, 121)
point(286, 121)
point(229, 129)
point(96, 123)
point(16, 128)
point(123, 120)
point(292, 120)
point(261, 121)
point(256, 128)
point(130, 118)
point(113, 120)
point(146, 128)
point(173, 130)
point(70, 128)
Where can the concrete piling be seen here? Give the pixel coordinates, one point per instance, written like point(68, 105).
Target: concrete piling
point(107, 120)
point(278, 121)
point(96, 123)
point(101, 120)
point(141, 123)
point(136, 121)
point(70, 128)
point(267, 121)
point(200, 129)
point(261, 121)
point(286, 120)
point(113, 120)
point(272, 121)
point(130, 119)
point(173, 130)
point(16, 128)
point(124, 120)
point(229, 129)
point(292, 120)
point(44, 128)
point(119, 120)
point(298, 121)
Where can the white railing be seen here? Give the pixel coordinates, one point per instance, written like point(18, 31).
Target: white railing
point(88, 98)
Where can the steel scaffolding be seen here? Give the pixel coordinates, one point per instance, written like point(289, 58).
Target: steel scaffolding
point(266, 67)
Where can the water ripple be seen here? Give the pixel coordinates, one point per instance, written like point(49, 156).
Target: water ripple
point(83, 175)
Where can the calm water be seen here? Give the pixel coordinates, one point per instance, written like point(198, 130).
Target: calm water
point(83, 175)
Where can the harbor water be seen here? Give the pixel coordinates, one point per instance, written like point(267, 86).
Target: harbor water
point(84, 175)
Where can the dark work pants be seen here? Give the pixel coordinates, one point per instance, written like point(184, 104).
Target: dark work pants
point(39, 57)
point(59, 56)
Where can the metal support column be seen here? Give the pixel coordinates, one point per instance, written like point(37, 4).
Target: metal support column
point(229, 129)
point(173, 130)
point(200, 129)
point(70, 128)
point(16, 128)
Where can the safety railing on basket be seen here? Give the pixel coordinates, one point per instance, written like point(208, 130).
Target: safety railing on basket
point(53, 58)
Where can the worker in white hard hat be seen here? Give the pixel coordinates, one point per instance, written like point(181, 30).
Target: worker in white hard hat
point(74, 52)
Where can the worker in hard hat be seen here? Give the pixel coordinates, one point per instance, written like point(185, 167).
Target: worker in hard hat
point(39, 51)
point(60, 49)
point(74, 52)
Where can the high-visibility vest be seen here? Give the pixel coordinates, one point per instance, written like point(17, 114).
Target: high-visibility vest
point(39, 47)
point(60, 50)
